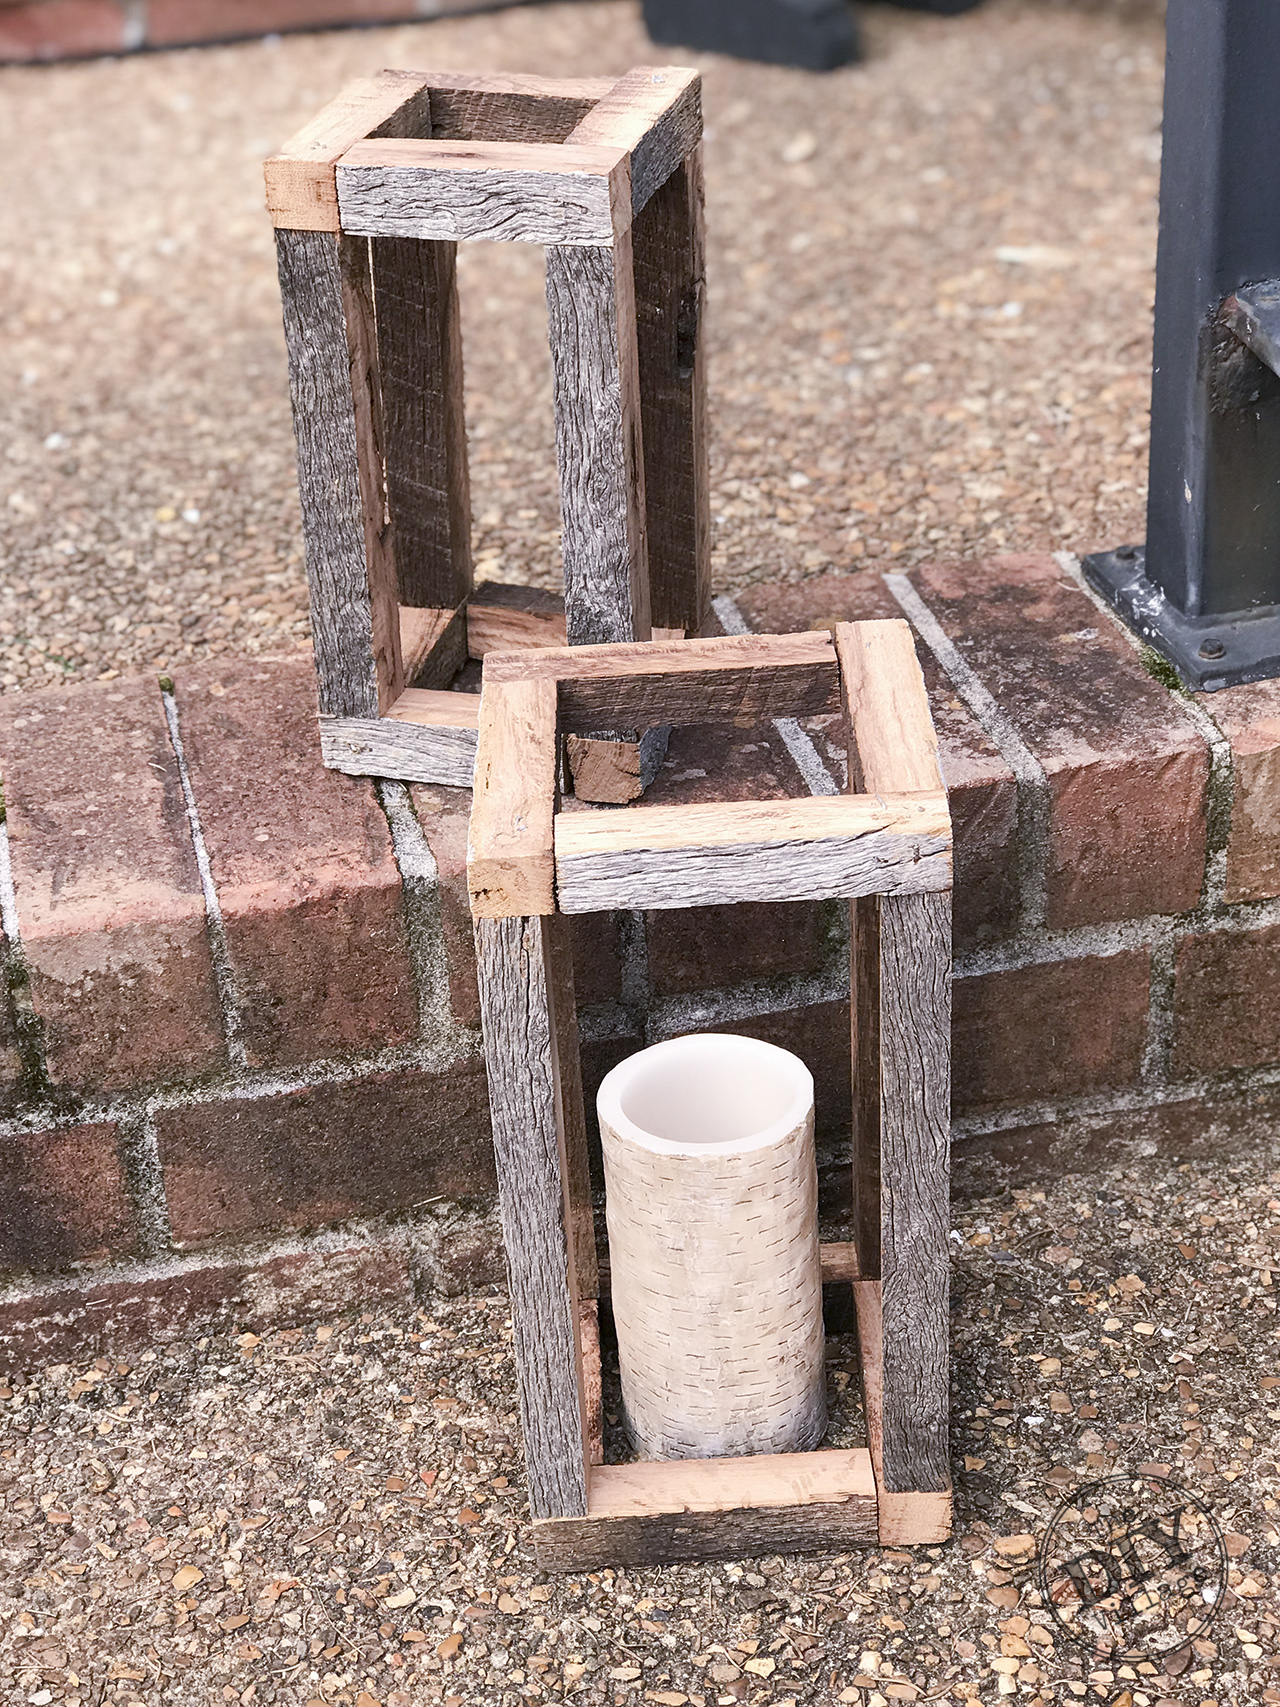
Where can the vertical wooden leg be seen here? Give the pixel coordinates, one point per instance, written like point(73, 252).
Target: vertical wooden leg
point(864, 989)
point(326, 288)
point(915, 1106)
point(670, 274)
point(526, 1091)
point(428, 490)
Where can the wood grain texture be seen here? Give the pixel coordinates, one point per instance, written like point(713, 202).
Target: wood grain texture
point(507, 192)
point(864, 1020)
point(592, 328)
point(653, 1514)
point(915, 1213)
point(670, 287)
point(433, 645)
point(905, 1519)
point(387, 746)
point(521, 1057)
point(433, 709)
point(695, 856)
point(529, 109)
point(301, 190)
point(592, 1384)
point(510, 852)
point(747, 678)
point(839, 1262)
point(503, 618)
point(337, 422)
point(420, 357)
point(887, 709)
point(655, 113)
point(573, 1115)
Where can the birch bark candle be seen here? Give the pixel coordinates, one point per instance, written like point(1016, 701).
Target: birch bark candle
point(712, 1206)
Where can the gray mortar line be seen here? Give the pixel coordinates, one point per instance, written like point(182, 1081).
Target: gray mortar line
point(424, 915)
point(140, 1157)
point(633, 952)
point(1221, 789)
point(804, 755)
point(223, 973)
point(673, 1015)
point(27, 1023)
point(134, 34)
point(1033, 785)
point(1104, 1105)
point(8, 898)
point(1158, 1052)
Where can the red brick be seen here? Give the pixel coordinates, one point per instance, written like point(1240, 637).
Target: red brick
point(153, 1306)
point(316, 1156)
point(109, 901)
point(819, 1035)
point(61, 29)
point(1064, 1029)
point(63, 1198)
point(699, 948)
point(1250, 719)
point(1227, 1001)
point(173, 22)
point(302, 862)
point(982, 789)
point(1126, 768)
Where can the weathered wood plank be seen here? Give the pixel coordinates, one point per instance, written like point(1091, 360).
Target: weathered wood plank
point(581, 1219)
point(592, 326)
point(504, 191)
point(420, 356)
point(520, 1052)
point(670, 283)
point(839, 1262)
point(505, 618)
point(915, 1213)
point(655, 112)
point(411, 749)
point(328, 320)
point(592, 1382)
point(510, 852)
point(301, 190)
point(695, 856)
point(524, 109)
point(909, 1519)
point(433, 644)
point(864, 1019)
point(661, 1513)
point(894, 749)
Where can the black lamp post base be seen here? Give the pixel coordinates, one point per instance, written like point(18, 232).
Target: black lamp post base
point(815, 35)
point(1208, 652)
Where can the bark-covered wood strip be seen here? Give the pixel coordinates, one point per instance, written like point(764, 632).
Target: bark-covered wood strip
point(433, 645)
point(420, 355)
point(864, 1018)
point(591, 320)
point(379, 534)
point(654, 111)
point(581, 1219)
point(503, 191)
point(328, 442)
point(383, 746)
point(915, 1220)
point(894, 743)
point(510, 853)
point(519, 1035)
point(905, 1519)
point(670, 284)
point(433, 709)
point(301, 193)
point(661, 1513)
point(832, 869)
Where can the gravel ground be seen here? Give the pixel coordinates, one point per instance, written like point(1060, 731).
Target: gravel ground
point(335, 1514)
point(930, 281)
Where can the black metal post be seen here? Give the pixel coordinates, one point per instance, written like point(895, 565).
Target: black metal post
point(1205, 589)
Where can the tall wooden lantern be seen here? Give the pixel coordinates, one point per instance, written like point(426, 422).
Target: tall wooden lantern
point(369, 202)
point(886, 847)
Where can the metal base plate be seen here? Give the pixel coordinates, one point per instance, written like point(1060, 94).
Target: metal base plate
point(1208, 652)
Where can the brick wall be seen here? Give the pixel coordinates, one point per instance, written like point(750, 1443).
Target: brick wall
point(240, 1072)
point(43, 30)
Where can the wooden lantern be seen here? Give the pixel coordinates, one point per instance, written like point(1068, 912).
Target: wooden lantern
point(885, 846)
point(369, 203)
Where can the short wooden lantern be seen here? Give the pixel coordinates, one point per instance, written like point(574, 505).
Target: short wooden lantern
point(886, 846)
point(369, 203)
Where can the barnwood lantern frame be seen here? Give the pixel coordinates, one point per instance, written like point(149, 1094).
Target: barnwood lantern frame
point(886, 847)
point(369, 202)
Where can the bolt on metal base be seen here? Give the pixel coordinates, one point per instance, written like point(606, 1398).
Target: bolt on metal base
point(1208, 652)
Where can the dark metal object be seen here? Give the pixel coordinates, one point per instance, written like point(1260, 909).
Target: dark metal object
point(816, 35)
point(1205, 591)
